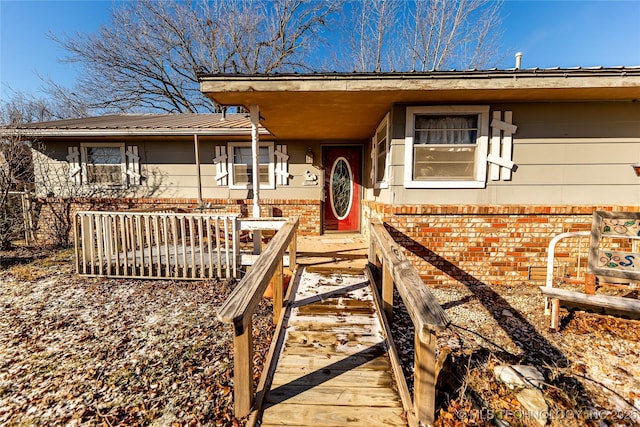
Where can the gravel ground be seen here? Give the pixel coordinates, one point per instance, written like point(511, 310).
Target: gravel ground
point(591, 366)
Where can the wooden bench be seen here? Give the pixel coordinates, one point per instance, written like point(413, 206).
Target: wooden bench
point(614, 256)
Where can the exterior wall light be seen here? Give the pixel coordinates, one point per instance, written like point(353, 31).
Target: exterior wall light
point(309, 156)
point(636, 168)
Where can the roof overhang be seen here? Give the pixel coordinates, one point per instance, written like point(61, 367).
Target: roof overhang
point(139, 125)
point(349, 106)
point(28, 132)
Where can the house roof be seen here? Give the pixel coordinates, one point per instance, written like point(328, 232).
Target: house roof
point(143, 124)
point(343, 106)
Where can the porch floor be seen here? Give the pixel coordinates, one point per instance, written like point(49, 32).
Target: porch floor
point(333, 253)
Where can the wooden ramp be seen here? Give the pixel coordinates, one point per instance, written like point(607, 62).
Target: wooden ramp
point(333, 366)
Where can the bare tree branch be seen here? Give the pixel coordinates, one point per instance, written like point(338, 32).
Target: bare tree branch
point(151, 54)
point(419, 35)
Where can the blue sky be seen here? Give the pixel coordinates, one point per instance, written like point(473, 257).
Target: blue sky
point(549, 33)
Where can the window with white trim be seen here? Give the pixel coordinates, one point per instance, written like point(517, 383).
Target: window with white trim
point(381, 154)
point(446, 147)
point(103, 164)
point(241, 165)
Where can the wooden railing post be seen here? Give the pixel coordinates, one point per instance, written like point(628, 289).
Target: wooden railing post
point(293, 249)
point(371, 254)
point(278, 290)
point(424, 389)
point(387, 291)
point(242, 371)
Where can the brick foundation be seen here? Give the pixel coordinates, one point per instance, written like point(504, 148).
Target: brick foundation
point(490, 244)
point(307, 210)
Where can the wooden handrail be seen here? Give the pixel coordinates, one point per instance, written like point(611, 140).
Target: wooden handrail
point(241, 304)
point(425, 312)
point(243, 301)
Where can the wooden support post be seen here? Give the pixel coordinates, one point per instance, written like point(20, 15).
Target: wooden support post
point(371, 254)
point(242, 372)
point(424, 392)
point(555, 313)
point(387, 291)
point(278, 290)
point(293, 249)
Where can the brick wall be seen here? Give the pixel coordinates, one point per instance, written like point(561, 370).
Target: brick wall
point(491, 244)
point(307, 210)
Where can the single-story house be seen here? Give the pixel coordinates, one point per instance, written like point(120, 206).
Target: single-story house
point(473, 171)
point(168, 160)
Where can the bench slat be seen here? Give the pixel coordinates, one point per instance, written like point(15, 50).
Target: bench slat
point(629, 305)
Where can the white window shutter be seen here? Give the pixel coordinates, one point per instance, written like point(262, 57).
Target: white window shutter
point(507, 144)
point(282, 165)
point(74, 165)
point(222, 175)
point(133, 165)
point(501, 147)
point(372, 172)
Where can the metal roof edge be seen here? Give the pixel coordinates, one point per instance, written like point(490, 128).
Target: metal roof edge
point(66, 132)
point(493, 72)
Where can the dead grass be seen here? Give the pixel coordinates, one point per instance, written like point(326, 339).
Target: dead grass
point(104, 352)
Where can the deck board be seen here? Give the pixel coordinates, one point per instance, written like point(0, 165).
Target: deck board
point(333, 368)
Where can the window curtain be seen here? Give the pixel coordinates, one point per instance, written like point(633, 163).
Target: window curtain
point(445, 130)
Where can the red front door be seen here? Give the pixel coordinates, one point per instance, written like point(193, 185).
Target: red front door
point(342, 188)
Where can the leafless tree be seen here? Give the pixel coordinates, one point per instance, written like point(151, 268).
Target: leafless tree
point(458, 34)
point(16, 176)
point(371, 28)
point(26, 108)
point(420, 35)
point(150, 55)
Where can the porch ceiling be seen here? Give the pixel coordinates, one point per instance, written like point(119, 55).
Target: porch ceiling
point(349, 106)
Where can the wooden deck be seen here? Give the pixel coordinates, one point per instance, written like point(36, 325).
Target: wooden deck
point(333, 364)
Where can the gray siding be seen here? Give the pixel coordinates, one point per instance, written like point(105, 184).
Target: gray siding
point(169, 168)
point(566, 153)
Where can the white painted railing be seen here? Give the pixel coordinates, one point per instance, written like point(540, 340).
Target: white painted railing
point(156, 245)
point(167, 243)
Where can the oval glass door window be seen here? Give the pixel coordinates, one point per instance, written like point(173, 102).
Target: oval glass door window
point(341, 185)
